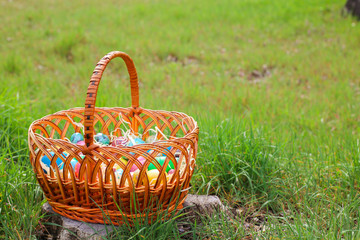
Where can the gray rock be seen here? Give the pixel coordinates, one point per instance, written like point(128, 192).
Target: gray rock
point(196, 209)
point(203, 204)
point(62, 228)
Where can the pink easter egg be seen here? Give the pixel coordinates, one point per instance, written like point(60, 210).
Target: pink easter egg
point(80, 143)
point(172, 171)
point(134, 167)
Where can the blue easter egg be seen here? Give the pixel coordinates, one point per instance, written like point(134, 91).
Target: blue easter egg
point(76, 137)
point(73, 162)
point(169, 148)
point(102, 138)
point(137, 141)
point(59, 162)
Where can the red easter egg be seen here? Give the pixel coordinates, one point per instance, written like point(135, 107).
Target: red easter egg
point(77, 169)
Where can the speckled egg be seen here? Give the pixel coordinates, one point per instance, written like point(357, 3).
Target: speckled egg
point(102, 138)
point(119, 172)
point(76, 137)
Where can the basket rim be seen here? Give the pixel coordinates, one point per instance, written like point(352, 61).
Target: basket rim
point(194, 130)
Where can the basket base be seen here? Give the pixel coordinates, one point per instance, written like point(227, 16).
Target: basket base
point(104, 216)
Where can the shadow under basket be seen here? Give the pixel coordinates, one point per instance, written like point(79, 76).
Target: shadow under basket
point(92, 192)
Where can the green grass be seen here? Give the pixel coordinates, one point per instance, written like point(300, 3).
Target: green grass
point(273, 84)
point(20, 196)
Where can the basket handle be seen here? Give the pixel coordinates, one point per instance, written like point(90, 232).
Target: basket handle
point(93, 88)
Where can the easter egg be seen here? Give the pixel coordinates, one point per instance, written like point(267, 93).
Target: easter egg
point(45, 160)
point(170, 174)
point(161, 161)
point(122, 159)
point(134, 167)
point(102, 138)
point(76, 137)
point(169, 148)
point(116, 166)
point(135, 175)
point(77, 169)
point(119, 172)
point(135, 141)
point(153, 176)
point(73, 163)
point(76, 165)
point(120, 141)
point(81, 143)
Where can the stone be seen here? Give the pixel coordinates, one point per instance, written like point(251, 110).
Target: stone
point(352, 7)
point(198, 206)
point(62, 228)
point(203, 204)
point(196, 209)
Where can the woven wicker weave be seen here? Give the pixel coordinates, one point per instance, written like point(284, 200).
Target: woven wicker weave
point(85, 195)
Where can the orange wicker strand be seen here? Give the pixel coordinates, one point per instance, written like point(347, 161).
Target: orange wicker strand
point(94, 189)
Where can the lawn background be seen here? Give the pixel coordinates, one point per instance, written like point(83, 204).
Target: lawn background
point(274, 86)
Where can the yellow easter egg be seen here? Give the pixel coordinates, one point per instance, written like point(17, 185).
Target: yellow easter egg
point(153, 176)
point(117, 167)
point(123, 160)
point(135, 175)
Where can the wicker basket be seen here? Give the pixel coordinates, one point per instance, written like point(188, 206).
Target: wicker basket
point(93, 191)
